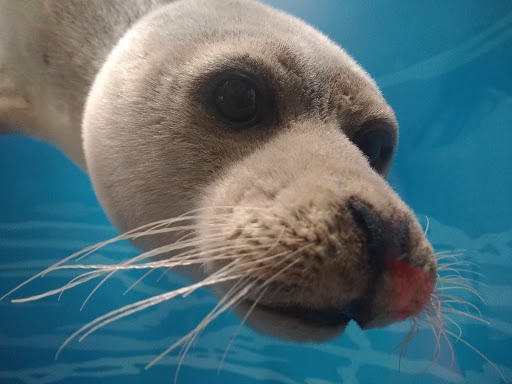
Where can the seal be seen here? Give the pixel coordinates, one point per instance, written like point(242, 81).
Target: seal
point(233, 141)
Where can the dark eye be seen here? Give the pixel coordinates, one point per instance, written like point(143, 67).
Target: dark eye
point(236, 99)
point(378, 146)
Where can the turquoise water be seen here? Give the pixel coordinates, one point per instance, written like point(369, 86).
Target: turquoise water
point(446, 68)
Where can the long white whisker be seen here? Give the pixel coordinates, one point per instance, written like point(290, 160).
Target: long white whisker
point(190, 336)
point(80, 279)
point(466, 306)
point(246, 316)
point(135, 307)
point(226, 303)
point(454, 279)
point(96, 288)
point(448, 288)
point(443, 266)
point(456, 325)
point(449, 253)
point(465, 314)
point(91, 275)
point(139, 280)
point(102, 269)
point(479, 353)
point(143, 230)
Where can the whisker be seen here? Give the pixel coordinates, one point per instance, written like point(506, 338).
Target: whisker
point(227, 302)
point(478, 353)
point(441, 297)
point(457, 279)
point(458, 271)
point(435, 315)
point(471, 290)
point(413, 332)
point(456, 325)
point(77, 279)
point(466, 305)
point(138, 306)
point(437, 350)
point(84, 252)
point(465, 314)
point(93, 275)
point(222, 306)
point(443, 266)
point(96, 288)
point(449, 253)
point(196, 258)
point(143, 230)
point(211, 280)
point(246, 316)
point(139, 280)
point(213, 314)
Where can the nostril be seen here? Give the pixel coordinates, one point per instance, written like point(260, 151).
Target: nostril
point(374, 229)
point(398, 242)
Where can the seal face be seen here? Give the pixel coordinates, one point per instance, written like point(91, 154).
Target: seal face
point(279, 143)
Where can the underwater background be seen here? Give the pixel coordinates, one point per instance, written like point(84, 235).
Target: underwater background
point(446, 69)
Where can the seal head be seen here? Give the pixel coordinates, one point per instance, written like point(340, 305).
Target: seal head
point(281, 141)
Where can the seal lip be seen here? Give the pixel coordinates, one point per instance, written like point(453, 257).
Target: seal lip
point(310, 317)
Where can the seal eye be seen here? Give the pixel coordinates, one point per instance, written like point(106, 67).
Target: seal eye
point(236, 99)
point(377, 145)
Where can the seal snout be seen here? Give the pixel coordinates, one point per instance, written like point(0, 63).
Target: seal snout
point(348, 254)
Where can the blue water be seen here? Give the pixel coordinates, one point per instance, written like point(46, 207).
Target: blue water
point(446, 68)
